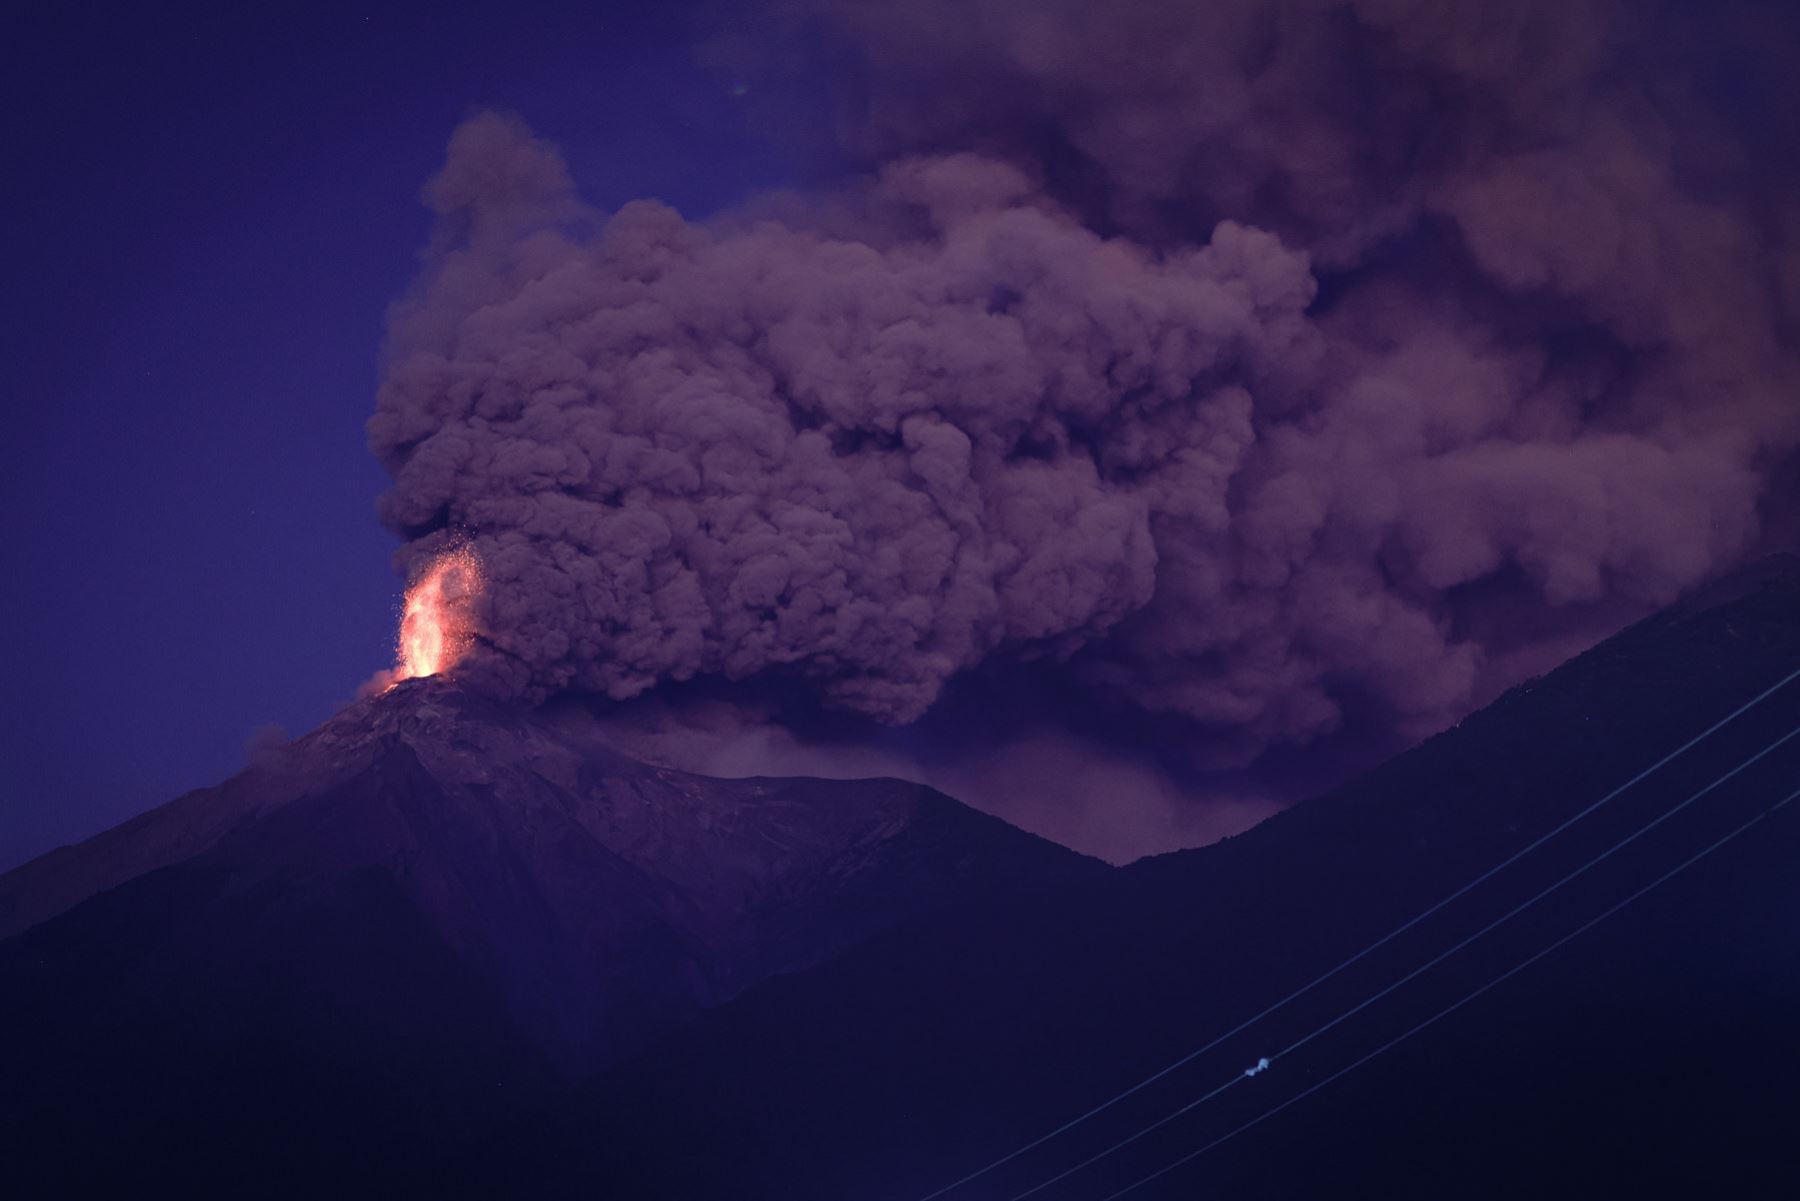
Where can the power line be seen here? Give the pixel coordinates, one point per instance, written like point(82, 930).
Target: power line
point(1147, 1081)
point(1351, 1012)
point(1451, 1008)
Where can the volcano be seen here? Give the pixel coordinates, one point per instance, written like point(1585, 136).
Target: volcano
point(434, 907)
point(446, 946)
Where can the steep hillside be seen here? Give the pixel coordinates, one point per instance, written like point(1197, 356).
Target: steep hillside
point(1649, 1049)
point(429, 910)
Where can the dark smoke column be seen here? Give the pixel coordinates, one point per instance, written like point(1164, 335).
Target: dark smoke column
point(936, 420)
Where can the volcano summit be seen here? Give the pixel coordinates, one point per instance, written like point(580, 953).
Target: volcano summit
point(431, 886)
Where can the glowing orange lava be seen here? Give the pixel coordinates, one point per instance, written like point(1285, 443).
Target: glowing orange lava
point(438, 624)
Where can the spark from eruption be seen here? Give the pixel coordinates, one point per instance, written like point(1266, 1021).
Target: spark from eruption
point(438, 624)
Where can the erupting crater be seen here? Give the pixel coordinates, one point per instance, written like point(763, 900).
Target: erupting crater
point(438, 623)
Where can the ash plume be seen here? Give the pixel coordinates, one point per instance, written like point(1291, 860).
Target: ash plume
point(1253, 363)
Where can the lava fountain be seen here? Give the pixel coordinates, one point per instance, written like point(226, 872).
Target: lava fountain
point(438, 623)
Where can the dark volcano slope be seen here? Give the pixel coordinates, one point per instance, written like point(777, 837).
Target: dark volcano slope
point(330, 972)
point(1655, 1056)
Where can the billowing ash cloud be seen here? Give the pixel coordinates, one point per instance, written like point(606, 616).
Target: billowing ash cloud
point(1252, 361)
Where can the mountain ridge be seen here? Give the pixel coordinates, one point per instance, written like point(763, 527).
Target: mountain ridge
point(608, 899)
point(389, 981)
point(972, 1038)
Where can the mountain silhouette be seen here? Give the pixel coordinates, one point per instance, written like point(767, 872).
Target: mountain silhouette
point(441, 946)
point(433, 908)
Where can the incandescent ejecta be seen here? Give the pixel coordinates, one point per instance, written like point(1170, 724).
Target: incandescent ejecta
point(437, 626)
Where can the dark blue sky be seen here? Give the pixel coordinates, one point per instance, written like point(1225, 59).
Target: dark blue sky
point(208, 214)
